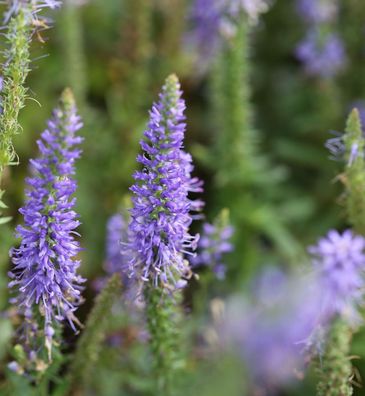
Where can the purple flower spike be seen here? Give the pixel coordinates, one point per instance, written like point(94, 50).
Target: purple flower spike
point(44, 274)
point(340, 262)
point(213, 245)
point(160, 217)
point(321, 56)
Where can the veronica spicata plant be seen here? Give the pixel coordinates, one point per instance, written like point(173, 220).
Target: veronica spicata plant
point(159, 235)
point(44, 276)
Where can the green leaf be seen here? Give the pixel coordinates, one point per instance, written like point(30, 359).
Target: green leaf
point(2, 205)
point(4, 220)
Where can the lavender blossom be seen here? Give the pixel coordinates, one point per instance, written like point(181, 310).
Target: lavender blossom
point(317, 11)
point(321, 56)
point(44, 274)
point(213, 245)
point(339, 260)
point(160, 217)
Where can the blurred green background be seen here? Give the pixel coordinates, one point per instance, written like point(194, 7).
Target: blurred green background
point(115, 54)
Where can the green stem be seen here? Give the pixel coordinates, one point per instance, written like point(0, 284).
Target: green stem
point(13, 95)
point(335, 370)
point(72, 37)
point(91, 340)
point(355, 173)
point(162, 316)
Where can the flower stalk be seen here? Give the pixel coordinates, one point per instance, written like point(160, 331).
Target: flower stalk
point(13, 93)
point(23, 20)
point(335, 371)
point(355, 172)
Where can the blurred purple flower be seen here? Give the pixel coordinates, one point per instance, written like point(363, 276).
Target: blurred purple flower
point(339, 260)
point(271, 334)
point(213, 245)
point(321, 56)
point(117, 233)
point(45, 272)
point(160, 217)
point(116, 255)
point(253, 8)
point(206, 19)
point(215, 20)
point(317, 11)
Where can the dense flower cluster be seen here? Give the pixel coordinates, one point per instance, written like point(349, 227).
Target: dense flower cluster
point(44, 274)
point(213, 245)
point(160, 217)
point(340, 262)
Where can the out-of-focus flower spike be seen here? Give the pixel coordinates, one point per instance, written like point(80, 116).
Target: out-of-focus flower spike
point(215, 21)
point(321, 56)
